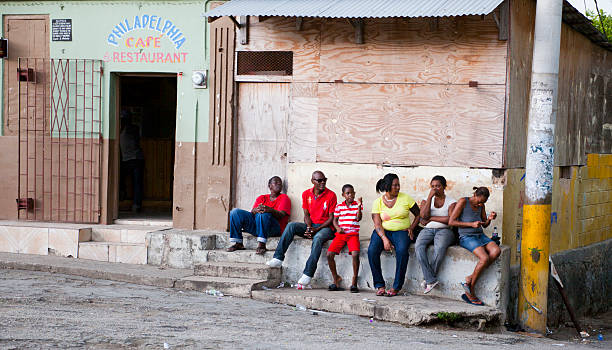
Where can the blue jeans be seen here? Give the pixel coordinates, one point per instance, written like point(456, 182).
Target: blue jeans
point(260, 225)
point(442, 238)
point(401, 241)
point(299, 228)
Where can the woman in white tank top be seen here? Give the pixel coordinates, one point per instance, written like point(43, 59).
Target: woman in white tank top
point(435, 212)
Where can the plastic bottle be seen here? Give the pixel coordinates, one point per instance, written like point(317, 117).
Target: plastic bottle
point(495, 236)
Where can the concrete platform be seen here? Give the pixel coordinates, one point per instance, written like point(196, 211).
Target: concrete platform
point(410, 310)
point(185, 249)
point(407, 310)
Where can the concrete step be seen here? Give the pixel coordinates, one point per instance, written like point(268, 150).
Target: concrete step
point(145, 222)
point(122, 233)
point(129, 253)
point(239, 287)
point(238, 270)
point(409, 310)
point(240, 256)
point(249, 241)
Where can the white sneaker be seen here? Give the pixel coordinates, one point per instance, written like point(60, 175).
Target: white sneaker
point(275, 263)
point(429, 287)
point(304, 280)
point(424, 284)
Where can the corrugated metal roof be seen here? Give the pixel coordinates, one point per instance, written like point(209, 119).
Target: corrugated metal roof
point(354, 8)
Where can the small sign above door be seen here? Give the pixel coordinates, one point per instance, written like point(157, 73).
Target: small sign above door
point(61, 30)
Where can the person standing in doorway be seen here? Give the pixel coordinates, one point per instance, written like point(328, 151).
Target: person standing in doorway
point(132, 157)
point(318, 204)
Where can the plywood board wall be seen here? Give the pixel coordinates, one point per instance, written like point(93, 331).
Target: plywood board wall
point(411, 124)
point(408, 83)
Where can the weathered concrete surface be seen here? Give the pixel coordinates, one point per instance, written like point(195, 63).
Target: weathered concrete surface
point(408, 310)
point(179, 248)
point(51, 311)
point(239, 287)
point(414, 181)
point(586, 274)
point(238, 270)
point(139, 274)
point(492, 287)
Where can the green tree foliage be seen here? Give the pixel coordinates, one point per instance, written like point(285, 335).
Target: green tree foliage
point(603, 22)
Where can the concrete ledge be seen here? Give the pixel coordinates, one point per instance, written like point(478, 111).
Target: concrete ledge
point(179, 248)
point(409, 310)
point(138, 274)
point(491, 288)
point(184, 249)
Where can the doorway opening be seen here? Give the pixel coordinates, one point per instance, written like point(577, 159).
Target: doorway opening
point(147, 109)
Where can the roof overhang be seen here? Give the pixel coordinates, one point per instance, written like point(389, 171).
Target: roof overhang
point(354, 8)
point(388, 8)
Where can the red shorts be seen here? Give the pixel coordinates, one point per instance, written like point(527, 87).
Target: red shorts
point(344, 239)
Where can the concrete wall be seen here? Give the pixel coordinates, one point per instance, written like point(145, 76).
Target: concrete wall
point(93, 22)
point(581, 206)
point(581, 232)
point(414, 181)
point(581, 270)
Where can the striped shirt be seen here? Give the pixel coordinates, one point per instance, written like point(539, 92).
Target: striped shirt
point(347, 217)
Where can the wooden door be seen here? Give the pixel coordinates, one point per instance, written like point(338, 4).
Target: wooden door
point(27, 37)
point(262, 138)
point(221, 125)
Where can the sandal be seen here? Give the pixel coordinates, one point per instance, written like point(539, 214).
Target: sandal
point(260, 250)
point(235, 247)
point(354, 289)
point(381, 292)
point(473, 300)
point(391, 293)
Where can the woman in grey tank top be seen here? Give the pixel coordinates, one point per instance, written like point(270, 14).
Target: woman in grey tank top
point(470, 217)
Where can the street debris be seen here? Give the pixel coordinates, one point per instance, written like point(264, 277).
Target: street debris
point(214, 292)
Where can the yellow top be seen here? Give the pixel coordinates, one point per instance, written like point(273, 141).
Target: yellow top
point(396, 218)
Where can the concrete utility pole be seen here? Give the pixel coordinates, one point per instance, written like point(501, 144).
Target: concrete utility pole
point(535, 241)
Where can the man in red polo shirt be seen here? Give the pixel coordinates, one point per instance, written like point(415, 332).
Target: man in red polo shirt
point(318, 204)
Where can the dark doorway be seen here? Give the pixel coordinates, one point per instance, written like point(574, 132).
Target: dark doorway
point(147, 121)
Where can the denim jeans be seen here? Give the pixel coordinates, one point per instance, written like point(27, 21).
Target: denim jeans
point(299, 228)
point(260, 225)
point(401, 241)
point(442, 238)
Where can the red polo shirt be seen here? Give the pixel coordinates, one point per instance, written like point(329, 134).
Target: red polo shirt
point(281, 203)
point(319, 207)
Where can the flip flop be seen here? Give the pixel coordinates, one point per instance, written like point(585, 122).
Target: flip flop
point(354, 289)
point(391, 293)
point(381, 293)
point(333, 288)
point(474, 301)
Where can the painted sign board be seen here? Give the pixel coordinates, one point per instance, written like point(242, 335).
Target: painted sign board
point(61, 29)
point(146, 39)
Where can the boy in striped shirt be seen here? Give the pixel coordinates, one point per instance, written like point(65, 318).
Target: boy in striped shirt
point(346, 221)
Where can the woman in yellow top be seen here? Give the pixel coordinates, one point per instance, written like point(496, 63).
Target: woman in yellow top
point(392, 229)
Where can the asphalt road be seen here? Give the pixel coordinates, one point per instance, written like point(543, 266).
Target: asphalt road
point(42, 310)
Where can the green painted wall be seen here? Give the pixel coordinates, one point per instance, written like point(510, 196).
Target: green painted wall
point(94, 21)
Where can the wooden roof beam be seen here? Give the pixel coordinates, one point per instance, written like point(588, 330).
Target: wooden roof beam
point(358, 24)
